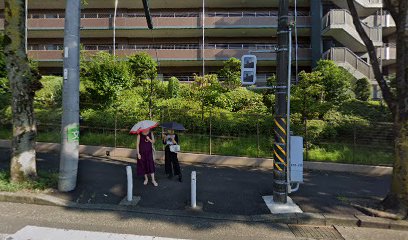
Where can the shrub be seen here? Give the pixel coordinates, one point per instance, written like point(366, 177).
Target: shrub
point(173, 88)
point(362, 89)
point(51, 93)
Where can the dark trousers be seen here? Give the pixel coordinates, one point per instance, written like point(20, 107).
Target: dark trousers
point(171, 163)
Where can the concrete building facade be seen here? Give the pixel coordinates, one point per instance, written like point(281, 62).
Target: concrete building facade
point(232, 28)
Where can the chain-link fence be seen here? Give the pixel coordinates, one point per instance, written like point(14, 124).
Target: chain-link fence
point(211, 131)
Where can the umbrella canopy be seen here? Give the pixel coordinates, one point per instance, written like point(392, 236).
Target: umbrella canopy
point(173, 125)
point(142, 126)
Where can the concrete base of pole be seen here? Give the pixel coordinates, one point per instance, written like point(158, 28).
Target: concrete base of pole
point(278, 208)
point(197, 208)
point(134, 202)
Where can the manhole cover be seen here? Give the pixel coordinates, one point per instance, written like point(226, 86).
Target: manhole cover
point(316, 232)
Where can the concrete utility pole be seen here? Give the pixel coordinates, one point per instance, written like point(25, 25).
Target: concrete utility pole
point(280, 187)
point(70, 99)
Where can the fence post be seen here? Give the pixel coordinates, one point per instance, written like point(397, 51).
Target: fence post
point(306, 143)
point(210, 130)
point(257, 136)
point(354, 140)
point(116, 124)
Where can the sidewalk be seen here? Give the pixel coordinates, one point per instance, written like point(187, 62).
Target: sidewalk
point(221, 190)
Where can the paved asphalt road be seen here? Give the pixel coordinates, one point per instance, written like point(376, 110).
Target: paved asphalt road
point(14, 216)
point(221, 189)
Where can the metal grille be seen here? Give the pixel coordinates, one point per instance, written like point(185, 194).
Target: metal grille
point(315, 232)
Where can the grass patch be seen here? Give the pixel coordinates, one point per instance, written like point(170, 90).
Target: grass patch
point(45, 180)
point(345, 153)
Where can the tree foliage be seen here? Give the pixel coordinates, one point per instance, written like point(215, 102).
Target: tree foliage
point(105, 78)
point(362, 89)
point(336, 81)
point(231, 73)
point(143, 67)
point(309, 95)
point(173, 88)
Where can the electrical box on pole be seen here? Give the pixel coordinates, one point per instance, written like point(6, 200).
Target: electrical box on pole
point(248, 69)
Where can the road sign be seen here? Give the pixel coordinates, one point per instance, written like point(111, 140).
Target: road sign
point(248, 69)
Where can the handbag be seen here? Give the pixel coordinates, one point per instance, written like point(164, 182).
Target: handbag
point(175, 148)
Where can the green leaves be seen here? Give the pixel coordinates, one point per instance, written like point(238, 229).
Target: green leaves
point(231, 74)
point(143, 67)
point(362, 89)
point(105, 78)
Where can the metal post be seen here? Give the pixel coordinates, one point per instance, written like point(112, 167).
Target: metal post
point(26, 26)
point(210, 131)
point(116, 125)
point(70, 117)
point(280, 189)
point(193, 189)
point(114, 28)
point(203, 33)
point(129, 183)
point(257, 136)
point(288, 109)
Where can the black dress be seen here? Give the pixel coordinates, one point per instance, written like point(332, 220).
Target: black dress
point(171, 163)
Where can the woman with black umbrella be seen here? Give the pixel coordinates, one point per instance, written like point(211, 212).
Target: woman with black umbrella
point(171, 163)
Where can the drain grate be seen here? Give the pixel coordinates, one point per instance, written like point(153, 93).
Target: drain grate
point(316, 232)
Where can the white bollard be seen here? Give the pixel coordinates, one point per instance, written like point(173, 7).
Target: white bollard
point(193, 189)
point(129, 183)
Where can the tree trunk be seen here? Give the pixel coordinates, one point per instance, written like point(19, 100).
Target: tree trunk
point(398, 197)
point(23, 85)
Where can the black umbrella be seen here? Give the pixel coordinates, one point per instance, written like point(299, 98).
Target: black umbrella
point(173, 125)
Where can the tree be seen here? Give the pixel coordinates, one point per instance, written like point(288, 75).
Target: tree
point(397, 102)
point(144, 67)
point(206, 90)
point(173, 88)
point(308, 96)
point(362, 89)
point(105, 77)
point(24, 81)
point(231, 73)
point(336, 81)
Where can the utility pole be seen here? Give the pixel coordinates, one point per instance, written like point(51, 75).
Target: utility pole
point(280, 184)
point(70, 99)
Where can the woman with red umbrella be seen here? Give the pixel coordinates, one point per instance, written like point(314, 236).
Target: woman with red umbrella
point(144, 148)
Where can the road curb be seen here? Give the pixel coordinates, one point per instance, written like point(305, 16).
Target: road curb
point(291, 218)
point(124, 154)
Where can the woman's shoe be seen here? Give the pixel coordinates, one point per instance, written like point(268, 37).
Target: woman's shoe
point(155, 183)
point(180, 179)
point(145, 182)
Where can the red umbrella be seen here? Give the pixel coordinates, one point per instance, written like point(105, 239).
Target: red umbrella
point(142, 126)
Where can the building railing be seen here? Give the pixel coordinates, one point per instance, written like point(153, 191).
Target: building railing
point(345, 55)
point(105, 47)
point(343, 17)
point(168, 14)
point(384, 20)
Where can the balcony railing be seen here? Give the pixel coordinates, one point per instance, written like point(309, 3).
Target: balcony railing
point(168, 14)
point(163, 20)
point(345, 55)
point(343, 17)
point(100, 47)
point(164, 54)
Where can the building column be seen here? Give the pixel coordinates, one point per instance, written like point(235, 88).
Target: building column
point(316, 11)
